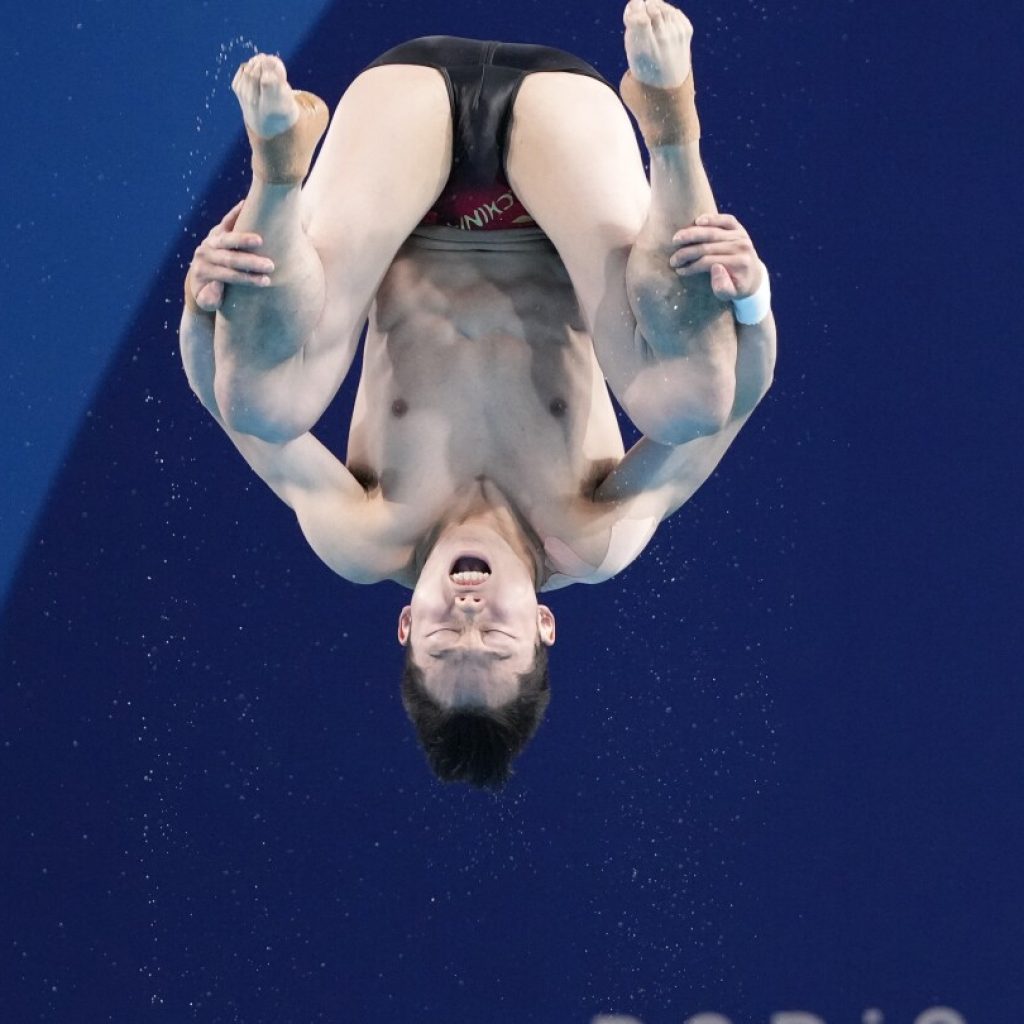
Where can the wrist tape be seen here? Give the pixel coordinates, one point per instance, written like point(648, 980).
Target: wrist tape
point(754, 308)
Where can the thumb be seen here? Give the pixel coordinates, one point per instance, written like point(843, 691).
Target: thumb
point(210, 296)
point(231, 217)
point(721, 283)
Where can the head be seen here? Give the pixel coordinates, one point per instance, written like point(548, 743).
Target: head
point(475, 683)
point(476, 744)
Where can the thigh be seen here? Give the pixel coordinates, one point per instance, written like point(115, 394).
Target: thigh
point(384, 160)
point(573, 161)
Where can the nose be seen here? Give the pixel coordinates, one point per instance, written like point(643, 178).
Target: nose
point(469, 604)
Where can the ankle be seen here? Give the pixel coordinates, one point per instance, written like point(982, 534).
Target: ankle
point(667, 117)
point(285, 158)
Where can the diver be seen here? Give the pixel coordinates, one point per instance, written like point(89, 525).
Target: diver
point(482, 209)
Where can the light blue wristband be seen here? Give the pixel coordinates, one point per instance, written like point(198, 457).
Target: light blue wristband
point(754, 308)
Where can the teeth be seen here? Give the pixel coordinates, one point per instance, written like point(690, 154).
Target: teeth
point(469, 578)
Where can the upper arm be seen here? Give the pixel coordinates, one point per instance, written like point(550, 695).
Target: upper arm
point(655, 479)
point(347, 528)
point(341, 523)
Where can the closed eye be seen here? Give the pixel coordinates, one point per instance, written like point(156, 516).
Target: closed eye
point(486, 632)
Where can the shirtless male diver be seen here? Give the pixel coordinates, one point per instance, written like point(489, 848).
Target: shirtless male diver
point(484, 207)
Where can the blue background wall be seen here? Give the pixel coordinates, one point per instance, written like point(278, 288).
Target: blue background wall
point(781, 768)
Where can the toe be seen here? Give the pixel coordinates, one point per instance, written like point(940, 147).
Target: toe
point(681, 19)
point(635, 14)
point(273, 63)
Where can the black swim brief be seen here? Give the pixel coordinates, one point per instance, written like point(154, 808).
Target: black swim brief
point(483, 79)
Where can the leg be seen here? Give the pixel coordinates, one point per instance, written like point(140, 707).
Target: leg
point(282, 351)
point(573, 161)
point(665, 344)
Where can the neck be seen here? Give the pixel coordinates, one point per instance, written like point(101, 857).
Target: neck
point(489, 509)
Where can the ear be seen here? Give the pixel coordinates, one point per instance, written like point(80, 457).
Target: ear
point(405, 626)
point(545, 625)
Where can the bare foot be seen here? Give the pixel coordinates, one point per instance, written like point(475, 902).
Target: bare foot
point(267, 100)
point(657, 43)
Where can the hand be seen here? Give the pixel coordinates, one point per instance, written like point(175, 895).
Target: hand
point(225, 257)
point(719, 245)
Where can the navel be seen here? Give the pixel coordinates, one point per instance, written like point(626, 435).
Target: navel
point(557, 407)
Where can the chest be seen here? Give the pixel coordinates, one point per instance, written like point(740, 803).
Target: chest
point(479, 369)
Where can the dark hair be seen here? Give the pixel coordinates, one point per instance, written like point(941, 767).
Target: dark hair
point(476, 745)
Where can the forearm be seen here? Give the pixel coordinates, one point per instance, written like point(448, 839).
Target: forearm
point(259, 328)
point(264, 339)
point(195, 342)
point(687, 334)
point(668, 308)
point(279, 357)
point(197, 338)
point(755, 365)
point(300, 466)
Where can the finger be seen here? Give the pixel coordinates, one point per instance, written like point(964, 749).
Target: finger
point(209, 273)
point(722, 283)
point(237, 240)
point(737, 267)
point(251, 263)
point(228, 220)
point(719, 220)
point(706, 234)
point(691, 253)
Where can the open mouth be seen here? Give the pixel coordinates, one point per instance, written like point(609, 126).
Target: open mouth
point(469, 571)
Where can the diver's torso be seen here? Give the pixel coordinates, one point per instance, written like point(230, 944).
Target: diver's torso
point(478, 367)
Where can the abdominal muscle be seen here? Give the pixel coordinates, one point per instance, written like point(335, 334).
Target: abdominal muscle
point(478, 370)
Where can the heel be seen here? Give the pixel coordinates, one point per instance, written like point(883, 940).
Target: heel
point(285, 159)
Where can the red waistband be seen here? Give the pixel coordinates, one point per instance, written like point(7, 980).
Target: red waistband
point(487, 208)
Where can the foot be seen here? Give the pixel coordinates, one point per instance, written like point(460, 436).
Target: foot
point(267, 100)
point(657, 43)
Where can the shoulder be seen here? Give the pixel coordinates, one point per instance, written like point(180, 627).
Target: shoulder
point(356, 537)
point(352, 531)
point(620, 536)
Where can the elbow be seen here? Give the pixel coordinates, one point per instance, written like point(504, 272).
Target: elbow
point(688, 425)
point(674, 416)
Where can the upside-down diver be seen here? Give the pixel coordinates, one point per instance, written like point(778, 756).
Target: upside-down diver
point(483, 210)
